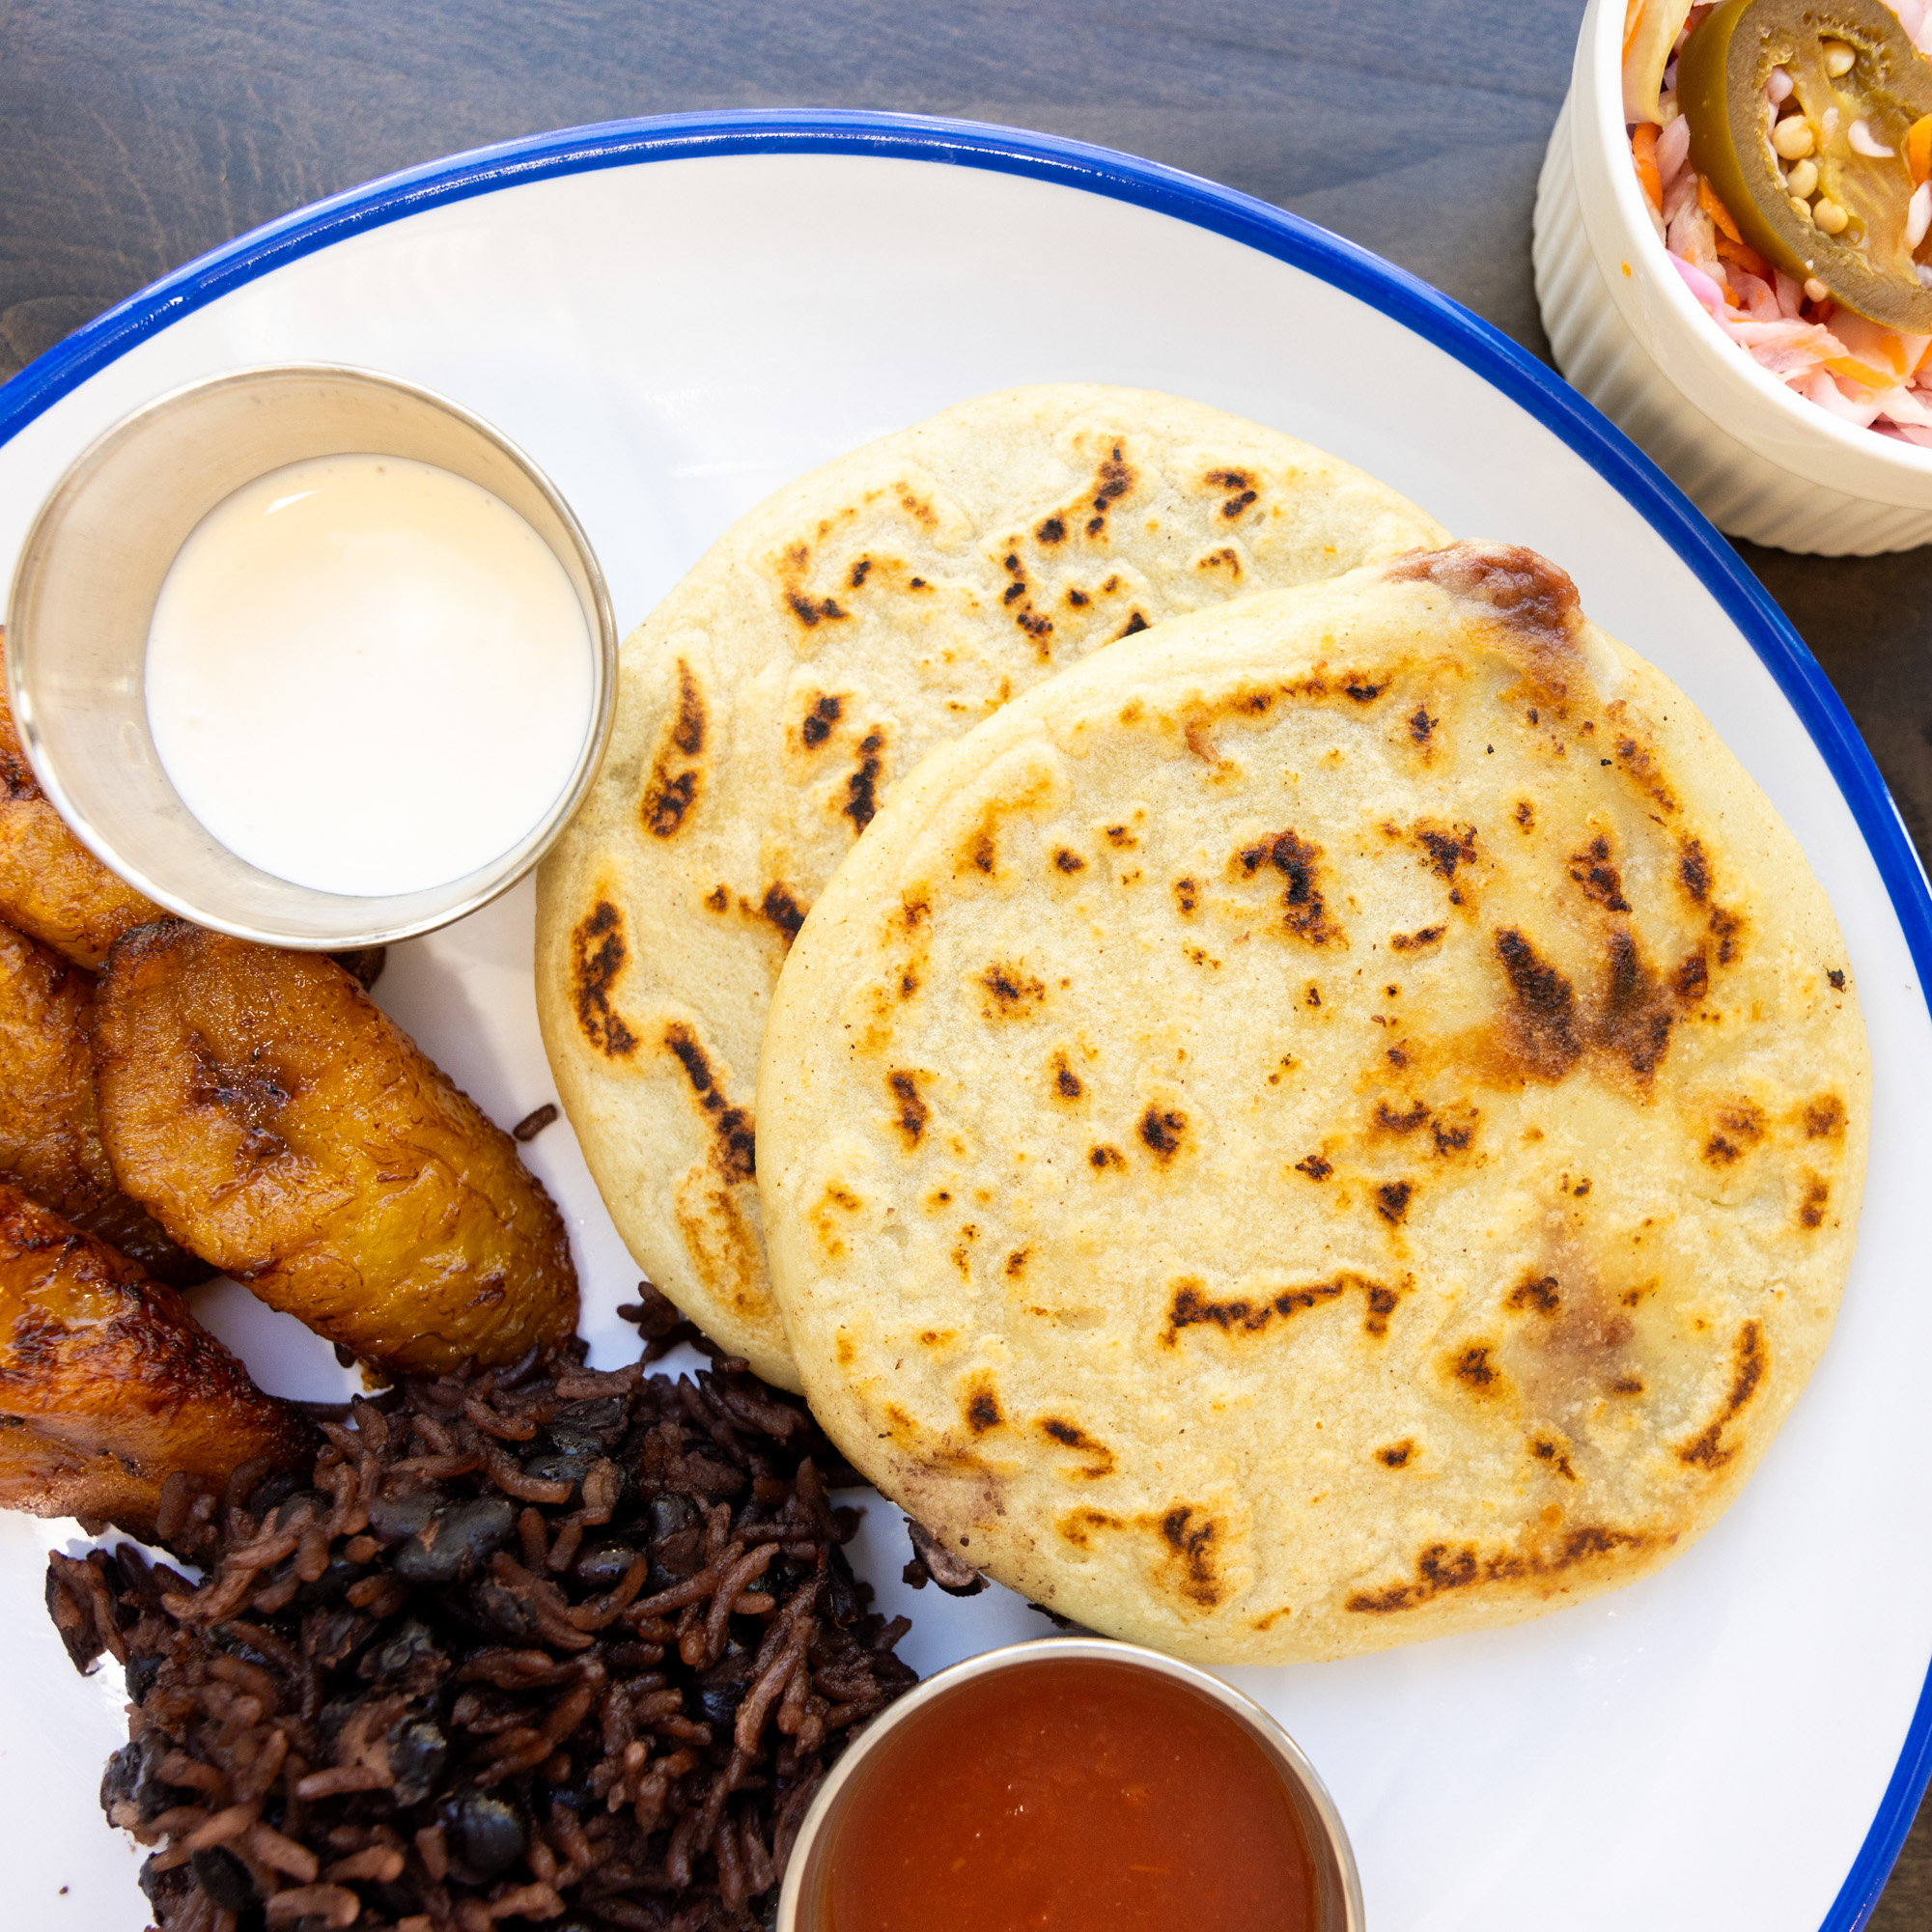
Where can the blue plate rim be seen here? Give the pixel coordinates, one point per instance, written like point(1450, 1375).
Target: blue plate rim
point(1203, 204)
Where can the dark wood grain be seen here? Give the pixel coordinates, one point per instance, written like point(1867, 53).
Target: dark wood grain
point(136, 133)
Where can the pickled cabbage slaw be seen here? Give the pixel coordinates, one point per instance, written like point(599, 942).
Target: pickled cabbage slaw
point(1854, 369)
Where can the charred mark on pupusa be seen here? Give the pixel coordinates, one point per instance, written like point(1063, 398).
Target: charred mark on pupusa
point(1191, 1307)
point(1295, 859)
point(824, 712)
point(913, 1112)
point(734, 1150)
point(861, 788)
point(1749, 1360)
point(1162, 1129)
point(1593, 869)
point(1013, 992)
point(1439, 1569)
point(598, 953)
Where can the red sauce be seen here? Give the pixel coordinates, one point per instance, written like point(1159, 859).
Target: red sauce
point(1079, 1797)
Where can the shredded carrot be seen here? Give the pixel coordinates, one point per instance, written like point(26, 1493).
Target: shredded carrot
point(1855, 371)
point(1717, 211)
point(1644, 151)
point(1919, 148)
point(1744, 256)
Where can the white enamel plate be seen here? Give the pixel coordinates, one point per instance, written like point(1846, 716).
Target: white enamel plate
point(674, 316)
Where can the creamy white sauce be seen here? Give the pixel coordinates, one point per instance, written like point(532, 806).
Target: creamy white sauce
point(367, 675)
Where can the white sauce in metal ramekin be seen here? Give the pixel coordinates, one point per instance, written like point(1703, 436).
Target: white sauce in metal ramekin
point(367, 675)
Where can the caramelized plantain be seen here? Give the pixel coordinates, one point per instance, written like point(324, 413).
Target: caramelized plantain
point(274, 1120)
point(49, 1134)
point(51, 886)
point(108, 1384)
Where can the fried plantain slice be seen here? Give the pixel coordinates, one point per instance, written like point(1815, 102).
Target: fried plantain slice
point(51, 886)
point(274, 1120)
point(49, 1132)
point(109, 1384)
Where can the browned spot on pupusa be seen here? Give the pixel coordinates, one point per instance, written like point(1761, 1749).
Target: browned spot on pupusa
point(861, 786)
point(1447, 848)
point(676, 770)
point(1453, 1128)
point(597, 956)
point(1811, 1207)
point(1190, 1306)
point(1473, 1371)
point(1736, 1129)
point(1824, 1118)
point(1103, 1157)
point(1694, 876)
point(733, 1147)
point(1594, 870)
point(1553, 1454)
point(1396, 1455)
point(981, 1406)
point(1227, 559)
point(1069, 861)
point(1539, 1293)
point(1421, 726)
point(1161, 1130)
point(1193, 1534)
point(835, 1201)
point(780, 908)
point(1410, 943)
point(1393, 1199)
point(1187, 896)
point(1303, 911)
point(913, 1111)
point(1749, 1360)
point(1100, 1459)
point(1065, 1082)
point(1241, 488)
point(1546, 1033)
point(1019, 602)
point(1391, 1120)
point(1012, 993)
point(1112, 480)
point(1443, 1567)
point(823, 711)
point(1530, 607)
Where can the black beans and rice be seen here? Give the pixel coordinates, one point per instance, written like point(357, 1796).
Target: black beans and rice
point(544, 1644)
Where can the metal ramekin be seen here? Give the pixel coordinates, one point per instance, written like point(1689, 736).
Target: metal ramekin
point(84, 594)
point(1337, 1887)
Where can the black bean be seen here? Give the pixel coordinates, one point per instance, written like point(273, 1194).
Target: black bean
point(336, 1636)
point(418, 1751)
point(601, 1414)
point(224, 1878)
point(504, 1613)
point(455, 1541)
point(583, 1444)
point(141, 1672)
point(410, 1651)
point(670, 1514)
point(273, 1491)
point(392, 1518)
point(570, 1469)
point(489, 1835)
point(606, 1565)
point(332, 1585)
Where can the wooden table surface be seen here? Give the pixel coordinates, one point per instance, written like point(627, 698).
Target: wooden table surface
point(136, 133)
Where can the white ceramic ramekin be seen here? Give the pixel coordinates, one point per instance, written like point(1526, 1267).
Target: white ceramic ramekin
point(1760, 461)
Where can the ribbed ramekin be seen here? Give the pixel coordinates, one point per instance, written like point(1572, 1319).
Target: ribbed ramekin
point(1760, 461)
